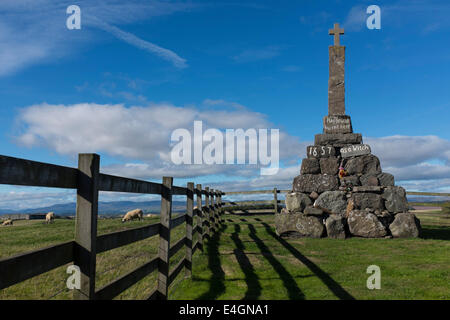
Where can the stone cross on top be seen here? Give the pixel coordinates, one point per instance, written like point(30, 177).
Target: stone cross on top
point(336, 83)
point(336, 32)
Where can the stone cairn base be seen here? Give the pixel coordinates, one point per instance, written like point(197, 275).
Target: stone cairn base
point(341, 191)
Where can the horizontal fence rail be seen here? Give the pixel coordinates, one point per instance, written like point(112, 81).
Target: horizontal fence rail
point(82, 251)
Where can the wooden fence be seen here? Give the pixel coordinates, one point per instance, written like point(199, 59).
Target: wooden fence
point(82, 251)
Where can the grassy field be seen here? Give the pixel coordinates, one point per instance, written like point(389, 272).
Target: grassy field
point(25, 236)
point(246, 260)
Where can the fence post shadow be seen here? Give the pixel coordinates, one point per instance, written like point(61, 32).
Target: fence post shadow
point(253, 286)
point(291, 286)
point(216, 282)
point(335, 287)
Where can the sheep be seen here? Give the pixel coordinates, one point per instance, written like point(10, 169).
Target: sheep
point(8, 222)
point(133, 214)
point(49, 217)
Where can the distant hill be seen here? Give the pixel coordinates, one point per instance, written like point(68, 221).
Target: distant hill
point(104, 208)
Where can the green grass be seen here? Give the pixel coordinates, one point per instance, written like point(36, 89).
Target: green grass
point(25, 236)
point(246, 260)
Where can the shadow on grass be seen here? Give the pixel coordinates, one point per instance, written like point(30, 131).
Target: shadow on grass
point(253, 286)
point(289, 282)
point(335, 287)
point(216, 282)
point(435, 232)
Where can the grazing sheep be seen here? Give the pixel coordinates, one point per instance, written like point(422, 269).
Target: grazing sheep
point(49, 217)
point(151, 215)
point(133, 214)
point(8, 222)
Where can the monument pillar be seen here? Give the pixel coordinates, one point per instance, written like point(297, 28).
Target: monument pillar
point(336, 81)
point(336, 121)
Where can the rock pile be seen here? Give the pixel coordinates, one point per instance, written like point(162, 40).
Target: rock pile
point(341, 191)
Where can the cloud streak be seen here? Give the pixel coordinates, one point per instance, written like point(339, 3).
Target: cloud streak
point(33, 32)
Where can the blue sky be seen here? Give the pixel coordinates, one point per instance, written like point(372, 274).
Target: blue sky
point(261, 64)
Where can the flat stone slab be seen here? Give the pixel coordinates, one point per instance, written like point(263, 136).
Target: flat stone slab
point(320, 151)
point(376, 189)
point(355, 150)
point(315, 182)
point(337, 124)
point(337, 139)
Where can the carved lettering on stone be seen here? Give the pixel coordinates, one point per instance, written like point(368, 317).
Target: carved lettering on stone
point(355, 150)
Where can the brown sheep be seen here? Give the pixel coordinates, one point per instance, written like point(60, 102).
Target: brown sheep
point(133, 214)
point(49, 217)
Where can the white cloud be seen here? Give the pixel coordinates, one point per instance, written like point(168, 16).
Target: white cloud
point(401, 151)
point(139, 137)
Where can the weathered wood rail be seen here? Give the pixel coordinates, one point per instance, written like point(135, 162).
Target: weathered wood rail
point(82, 251)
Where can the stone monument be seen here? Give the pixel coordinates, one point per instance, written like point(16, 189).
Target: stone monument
point(341, 190)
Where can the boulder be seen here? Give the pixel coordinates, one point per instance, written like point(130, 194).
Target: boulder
point(395, 199)
point(333, 202)
point(365, 224)
point(296, 202)
point(310, 165)
point(296, 225)
point(405, 225)
point(353, 180)
point(285, 223)
point(310, 227)
point(368, 164)
point(367, 200)
point(369, 180)
point(312, 211)
point(386, 179)
point(335, 226)
point(329, 165)
point(315, 182)
point(314, 195)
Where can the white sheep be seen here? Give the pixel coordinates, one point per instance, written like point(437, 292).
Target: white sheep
point(133, 214)
point(49, 217)
point(8, 222)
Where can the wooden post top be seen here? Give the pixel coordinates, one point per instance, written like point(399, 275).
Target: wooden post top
point(336, 32)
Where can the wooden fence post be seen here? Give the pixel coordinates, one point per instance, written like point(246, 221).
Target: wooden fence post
point(208, 212)
point(164, 238)
point(86, 224)
point(200, 215)
point(275, 200)
point(220, 206)
point(189, 222)
point(216, 193)
point(213, 212)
